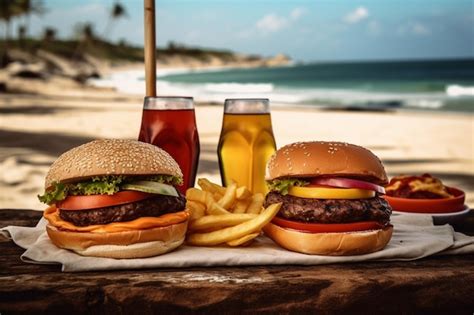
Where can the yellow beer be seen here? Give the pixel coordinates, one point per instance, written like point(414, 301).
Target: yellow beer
point(245, 146)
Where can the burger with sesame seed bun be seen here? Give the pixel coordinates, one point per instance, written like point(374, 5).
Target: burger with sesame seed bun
point(330, 194)
point(116, 199)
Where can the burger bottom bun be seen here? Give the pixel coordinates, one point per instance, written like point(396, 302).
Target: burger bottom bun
point(138, 250)
point(331, 244)
point(129, 244)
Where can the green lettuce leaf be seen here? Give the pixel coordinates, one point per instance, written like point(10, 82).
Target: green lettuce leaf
point(100, 185)
point(282, 185)
point(165, 179)
point(59, 192)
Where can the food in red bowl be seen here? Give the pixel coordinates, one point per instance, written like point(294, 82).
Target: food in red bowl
point(423, 194)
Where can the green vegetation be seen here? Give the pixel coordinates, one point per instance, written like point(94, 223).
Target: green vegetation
point(117, 12)
point(85, 41)
point(10, 9)
point(77, 49)
point(199, 53)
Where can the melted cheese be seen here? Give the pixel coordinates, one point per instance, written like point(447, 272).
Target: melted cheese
point(431, 185)
point(52, 215)
point(423, 183)
point(395, 186)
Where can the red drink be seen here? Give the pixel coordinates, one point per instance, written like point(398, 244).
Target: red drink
point(170, 124)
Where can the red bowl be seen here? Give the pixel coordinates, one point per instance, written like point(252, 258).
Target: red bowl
point(444, 205)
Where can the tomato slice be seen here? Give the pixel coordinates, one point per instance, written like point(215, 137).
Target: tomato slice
point(327, 227)
point(101, 201)
point(347, 183)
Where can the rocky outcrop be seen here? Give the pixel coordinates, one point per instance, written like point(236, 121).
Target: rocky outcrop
point(278, 60)
point(29, 71)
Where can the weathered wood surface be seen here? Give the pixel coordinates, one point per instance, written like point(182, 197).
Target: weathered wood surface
point(434, 285)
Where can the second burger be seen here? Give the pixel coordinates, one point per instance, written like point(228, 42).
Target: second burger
point(330, 195)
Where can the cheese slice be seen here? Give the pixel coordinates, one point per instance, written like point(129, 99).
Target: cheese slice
point(330, 193)
point(52, 215)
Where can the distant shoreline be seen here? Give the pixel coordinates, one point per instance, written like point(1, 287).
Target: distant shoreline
point(354, 87)
point(70, 63)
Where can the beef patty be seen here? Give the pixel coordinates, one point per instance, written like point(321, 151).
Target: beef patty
point(331, 210)
point(151, 207)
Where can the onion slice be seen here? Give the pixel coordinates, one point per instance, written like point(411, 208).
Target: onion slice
point(347, 183)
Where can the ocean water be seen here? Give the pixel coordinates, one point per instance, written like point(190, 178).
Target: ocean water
point(446, 85)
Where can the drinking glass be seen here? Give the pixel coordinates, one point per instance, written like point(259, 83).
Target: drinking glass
point(169, 122)
point(246, 143)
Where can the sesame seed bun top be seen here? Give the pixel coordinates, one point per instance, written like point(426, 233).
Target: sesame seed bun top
point(111, 157)
point(320, 158)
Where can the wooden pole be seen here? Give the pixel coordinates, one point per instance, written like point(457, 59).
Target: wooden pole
point(150, 48)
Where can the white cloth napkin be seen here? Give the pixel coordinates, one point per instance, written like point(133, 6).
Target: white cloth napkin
point(414, 237)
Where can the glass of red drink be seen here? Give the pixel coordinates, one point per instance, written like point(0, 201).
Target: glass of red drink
point(170, 123)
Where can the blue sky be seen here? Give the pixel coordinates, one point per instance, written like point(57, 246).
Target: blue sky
point(305, 30)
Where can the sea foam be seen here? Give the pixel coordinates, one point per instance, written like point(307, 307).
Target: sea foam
point(459, 90)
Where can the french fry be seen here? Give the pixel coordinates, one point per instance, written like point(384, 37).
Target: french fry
point(197, 209)
point(256, 204)
point(243, 240)
point(207, 185)
point(238, 231)
point(195, 194)
point(242, 205)
point(226, 215)
point(229, 197)
point(217, 196)
point(209, 199)
point(242, 193)
point(214, 208)
point(216, 222)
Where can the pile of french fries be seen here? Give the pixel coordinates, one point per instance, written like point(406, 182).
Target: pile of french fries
point(229, 215)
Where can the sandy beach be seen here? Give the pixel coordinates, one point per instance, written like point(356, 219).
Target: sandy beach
point(35, 129)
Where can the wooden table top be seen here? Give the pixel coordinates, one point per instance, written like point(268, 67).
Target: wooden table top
point(432, 285)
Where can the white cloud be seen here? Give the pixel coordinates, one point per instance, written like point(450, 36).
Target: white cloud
point(414, 28)
point(271, 23)
point(359, 14)
point(296, 13)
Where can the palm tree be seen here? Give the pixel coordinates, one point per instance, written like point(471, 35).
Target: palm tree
point(28, 8)
point(48, 37)
point(8, 10)
point(21, 35)
point(49, 34)
point(117, 11)
point(85, 32)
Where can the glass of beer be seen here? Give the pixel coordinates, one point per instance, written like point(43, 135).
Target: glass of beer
point(170, 123)
point(246, 143)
